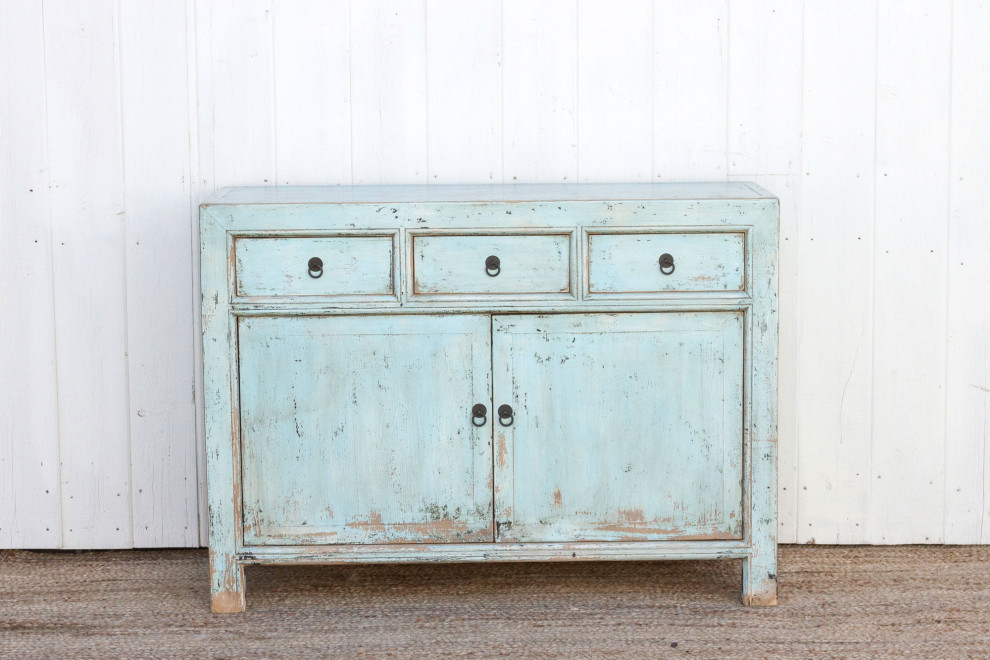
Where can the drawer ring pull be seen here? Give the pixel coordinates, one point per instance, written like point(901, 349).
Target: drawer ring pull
point(316, 268)
point(505, 412)
point(493, 263)
point(479, 411)
point(666, 263)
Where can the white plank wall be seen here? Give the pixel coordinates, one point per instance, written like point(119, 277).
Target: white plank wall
point(866, 117)
point(463, 92)
point(690, 90)
point(30, 502)
point(312, 88)
point(967, 459)
point(86, 188)
point(910, 270)
point(539, 91)
point(158, 252)
point(615, 90)
point(388, 103)
point(834, 391)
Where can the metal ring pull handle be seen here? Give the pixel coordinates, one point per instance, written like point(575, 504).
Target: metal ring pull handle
point(479, 411)
point(505, 413)
point(316, 267)
point(666, 263)
point(493, 263)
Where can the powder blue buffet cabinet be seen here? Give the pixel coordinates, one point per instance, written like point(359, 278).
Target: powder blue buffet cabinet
point(490, 373)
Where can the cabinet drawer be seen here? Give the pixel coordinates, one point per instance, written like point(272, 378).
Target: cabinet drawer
point(631, 262)
point(314, 266)
point(491, 264)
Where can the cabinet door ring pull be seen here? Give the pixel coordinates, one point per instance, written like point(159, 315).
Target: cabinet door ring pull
point(493, 263)
point(666, 263)
point(316, 268)
point(479, 411)
point(505, 412)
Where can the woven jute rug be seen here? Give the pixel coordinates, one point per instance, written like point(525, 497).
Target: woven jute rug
point(842, 602)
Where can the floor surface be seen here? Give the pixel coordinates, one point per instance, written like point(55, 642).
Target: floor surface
point(844, 602)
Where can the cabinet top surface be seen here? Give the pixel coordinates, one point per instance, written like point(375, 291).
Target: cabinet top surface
point(720, 190)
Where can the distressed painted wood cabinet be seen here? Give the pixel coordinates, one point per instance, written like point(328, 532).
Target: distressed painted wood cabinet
point(490, 373)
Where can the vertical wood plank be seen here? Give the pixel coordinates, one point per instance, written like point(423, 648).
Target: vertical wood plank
point(967, 510)
point(539, 91)
point(199, 19)
point(29, 482)
point(388, 95)
point(159, 273)
point(836, 253)
point(199, 52)
point(615, 91)
point(82, 64)
point(690, 79)
point(908, 460)
point(789, 307)
point(790, 310)
point(464, 91)
point(765, 55)
point(311, 51)
point(239, 111)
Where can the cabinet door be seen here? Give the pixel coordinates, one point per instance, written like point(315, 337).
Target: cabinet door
point(358, 429)
point(625, 426)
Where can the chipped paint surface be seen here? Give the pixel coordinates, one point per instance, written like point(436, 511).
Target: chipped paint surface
point(502, 457)
point(352, 266)
point(336, 445)
point(535, 263)
point(629, 262)
point(637, 417)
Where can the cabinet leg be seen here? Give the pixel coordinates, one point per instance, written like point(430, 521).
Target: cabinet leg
point(760, 581)
point(226, 584)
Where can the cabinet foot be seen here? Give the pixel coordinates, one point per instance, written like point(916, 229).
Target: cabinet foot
point(759, 583)
point(768, 599)
point(227, 602)
point(227, 580)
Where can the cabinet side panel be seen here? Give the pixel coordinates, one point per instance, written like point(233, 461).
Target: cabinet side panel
point(760, 570)
point(227, 576)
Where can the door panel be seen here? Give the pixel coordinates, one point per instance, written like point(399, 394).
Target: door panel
point(358, 429)
point(626, 426)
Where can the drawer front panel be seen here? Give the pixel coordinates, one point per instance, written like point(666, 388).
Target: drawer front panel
point(358, 429)
point(350, 265)
point(454, 264)
point(625, 427)
point(630, 262)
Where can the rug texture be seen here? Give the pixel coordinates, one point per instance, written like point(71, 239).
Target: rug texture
point(837, 602)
